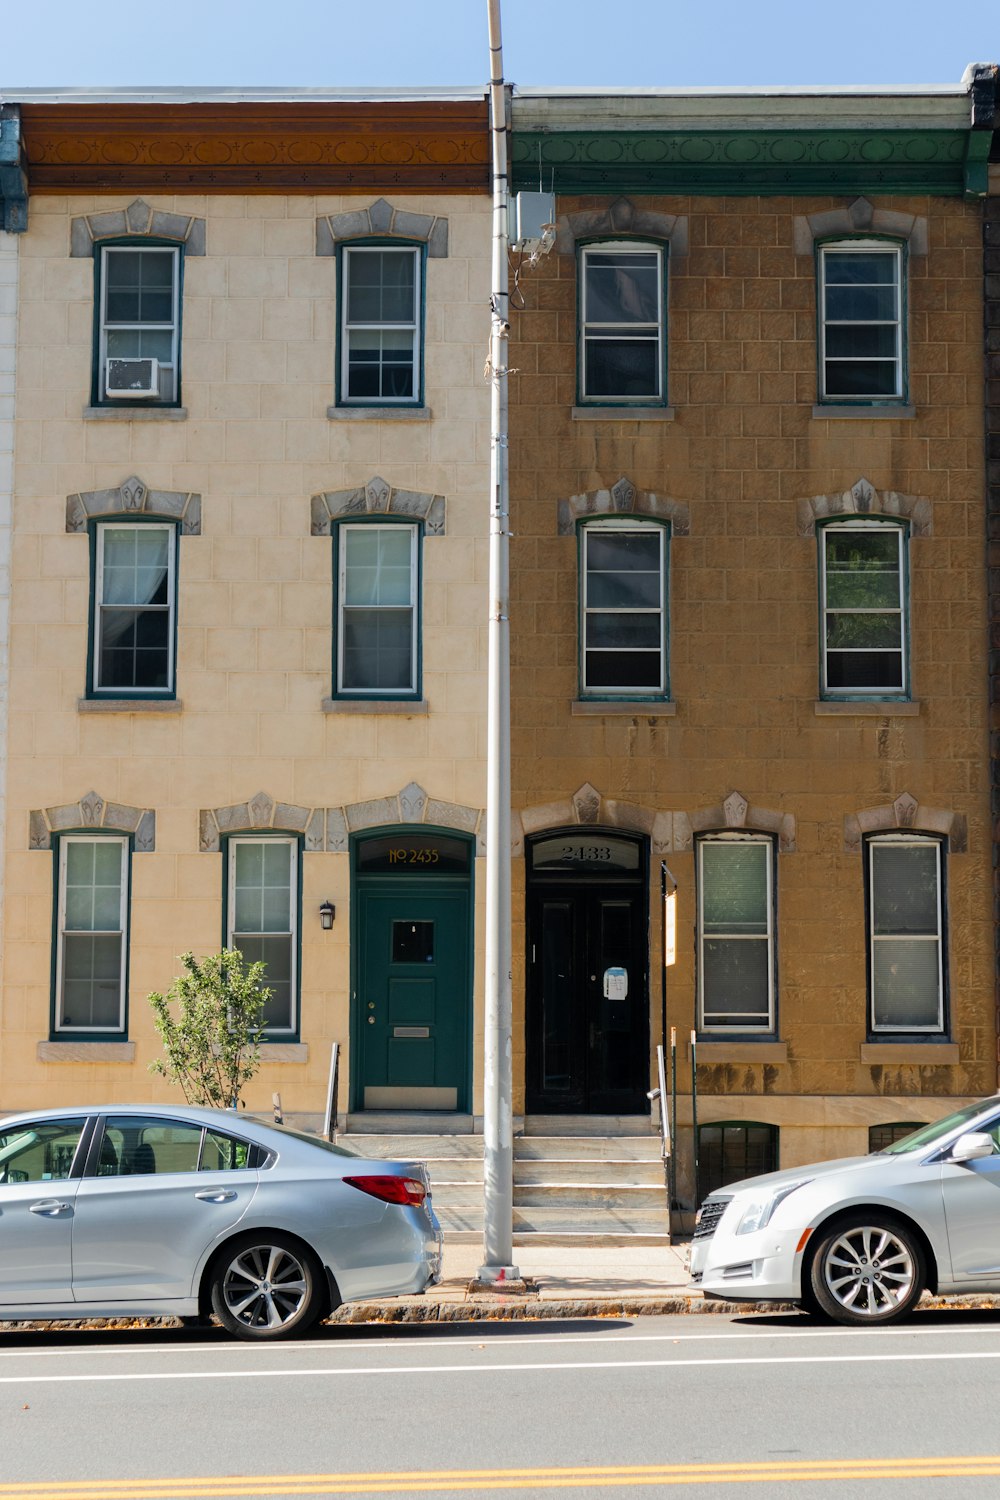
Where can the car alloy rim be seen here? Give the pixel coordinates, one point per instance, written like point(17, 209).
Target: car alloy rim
point(869, 1270)
point(265, 1287)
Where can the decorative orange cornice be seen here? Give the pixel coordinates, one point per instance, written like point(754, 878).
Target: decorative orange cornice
point(257, 148)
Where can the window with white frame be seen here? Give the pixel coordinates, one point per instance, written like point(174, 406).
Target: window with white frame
point(92, 927)
point(623, 609)
point(736, 962)
point(263, 919)
point(377, 610)
point(380, 332)
point(906, 959)
point(622, 323)
point(863, 604)
point(861, 321)
point(133, 621)
point(138, 344)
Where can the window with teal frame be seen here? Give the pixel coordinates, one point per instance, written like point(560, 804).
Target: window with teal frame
point(736, 934)
point(623, 323)
point(862, 330)
point(624, 575)
point(91, 947)
point(381, 324)
point(377, 609)
point(133, 618)
point(137, 343)
point(907, 944)
point(263, 901)
point(864, 625)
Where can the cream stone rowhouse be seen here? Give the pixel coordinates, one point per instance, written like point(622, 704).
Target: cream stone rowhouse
point(247, 629)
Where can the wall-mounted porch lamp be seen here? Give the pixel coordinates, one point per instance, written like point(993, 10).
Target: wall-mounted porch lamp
point(327, 912)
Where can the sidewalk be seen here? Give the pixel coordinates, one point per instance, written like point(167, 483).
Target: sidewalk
point(561, 1282)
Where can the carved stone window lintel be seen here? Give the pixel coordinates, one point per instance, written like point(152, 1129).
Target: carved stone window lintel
point(382, 221)
point(377, 498)
point(862, 499)
point(906, 814)
point(138, 221)
point(328, 829)
point(97, 813)
point(622, 218)
point(625, 499)
point(134, 498)
point(859, 218)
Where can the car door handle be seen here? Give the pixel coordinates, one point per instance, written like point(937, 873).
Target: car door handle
point(216, 1195)
point(49, 1206)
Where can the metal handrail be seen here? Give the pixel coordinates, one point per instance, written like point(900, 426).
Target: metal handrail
point(331, 1122)
point(666, 1145)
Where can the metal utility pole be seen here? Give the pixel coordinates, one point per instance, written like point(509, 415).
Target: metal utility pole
point(498, 1135)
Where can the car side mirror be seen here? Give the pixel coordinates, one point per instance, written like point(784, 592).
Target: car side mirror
point(971, 1147)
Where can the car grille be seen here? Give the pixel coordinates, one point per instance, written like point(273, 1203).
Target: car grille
point(711, 1212)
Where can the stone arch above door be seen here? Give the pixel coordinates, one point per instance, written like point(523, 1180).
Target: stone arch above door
point(328, 829)
point(668, 832)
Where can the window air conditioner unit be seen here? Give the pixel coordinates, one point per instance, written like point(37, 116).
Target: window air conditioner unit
point(132, 377)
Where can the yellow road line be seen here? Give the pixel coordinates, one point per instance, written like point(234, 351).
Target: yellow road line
point(219, 1487)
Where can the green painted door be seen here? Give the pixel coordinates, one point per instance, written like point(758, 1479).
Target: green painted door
point(413, 993)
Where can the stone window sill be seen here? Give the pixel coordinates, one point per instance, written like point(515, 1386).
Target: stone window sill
point(743, 1052)
point(909, 1052)
point(591, 708)
point(129, 705)
point(888, 708)
point(135, 413)
point(284, 1052)
point(86, 1052)
point(622, 414)
point(379, 413)
point(831, 413)
point(409, 707)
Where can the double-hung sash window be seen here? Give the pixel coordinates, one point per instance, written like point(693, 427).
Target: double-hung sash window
point(263, 920)
point(623, 610)
point(135, 588)
point(861, 321)
point(380, 334)
point(863, 605)
point(377, 610)
point(138, 344)
point(906, 965)
point(622, 323)
point(736, 933)
point(92, 927)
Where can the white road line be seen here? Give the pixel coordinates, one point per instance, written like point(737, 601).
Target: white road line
point(491, 1337)
point(494, 1369)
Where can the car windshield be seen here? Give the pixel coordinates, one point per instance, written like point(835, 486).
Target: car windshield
point(927, 1135)
point(314, 1140)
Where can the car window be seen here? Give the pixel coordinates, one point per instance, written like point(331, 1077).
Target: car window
point(137, 1146)
point(928, 1134)
point(42, 1152)
point(224, 1153)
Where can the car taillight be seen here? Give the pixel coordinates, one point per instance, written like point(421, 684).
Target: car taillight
point(391, 1189)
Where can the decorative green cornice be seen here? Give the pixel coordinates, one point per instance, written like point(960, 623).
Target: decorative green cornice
point(13, 182)
point(731, 162)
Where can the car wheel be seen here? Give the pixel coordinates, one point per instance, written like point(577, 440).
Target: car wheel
point(266, 1286)
point(867, 1269)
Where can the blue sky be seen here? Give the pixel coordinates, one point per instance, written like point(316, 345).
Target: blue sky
point(412, 42)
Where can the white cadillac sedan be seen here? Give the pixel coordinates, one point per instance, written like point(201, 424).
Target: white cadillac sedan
point(156, 1210)
point(859, 1239)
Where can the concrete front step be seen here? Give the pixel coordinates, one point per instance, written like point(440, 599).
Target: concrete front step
point(590, 1170)
point(408, 1122)
point(586, 1148)
point(400, 1147)
point(599, 1126)
point(604, 1221)
point(553, 1239)
point(590, 1199)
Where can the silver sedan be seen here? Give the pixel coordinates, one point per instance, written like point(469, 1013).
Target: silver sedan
point(150, 1210)
point(859, 1239)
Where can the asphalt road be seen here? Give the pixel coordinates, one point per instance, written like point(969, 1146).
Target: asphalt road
point(770, 1406)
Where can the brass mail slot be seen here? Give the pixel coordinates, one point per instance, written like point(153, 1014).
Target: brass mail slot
point(411, 1031)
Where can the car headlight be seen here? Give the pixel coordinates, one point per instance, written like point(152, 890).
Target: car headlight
point(757, 1214)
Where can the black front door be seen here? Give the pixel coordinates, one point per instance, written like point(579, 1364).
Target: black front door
point(588, 997)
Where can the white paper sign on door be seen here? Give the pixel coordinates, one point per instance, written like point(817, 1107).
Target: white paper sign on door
point(615, 984)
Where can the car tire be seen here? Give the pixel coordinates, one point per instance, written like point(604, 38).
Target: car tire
point(266, 1286)
point(868, 1268)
